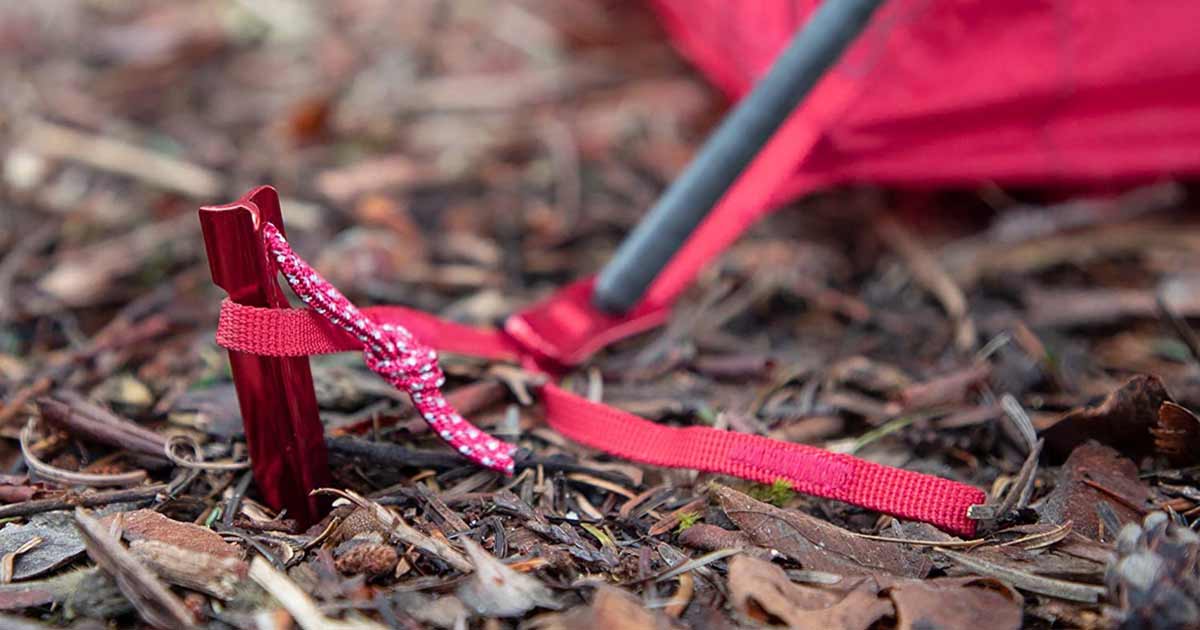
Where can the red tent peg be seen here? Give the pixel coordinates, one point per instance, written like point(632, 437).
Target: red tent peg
point(276, 395)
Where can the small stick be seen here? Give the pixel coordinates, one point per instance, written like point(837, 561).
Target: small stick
point(299, 604)
point(1178, 324)
point(79, 417)
point(93, 499)
point(115, 156)
point(1061, 589)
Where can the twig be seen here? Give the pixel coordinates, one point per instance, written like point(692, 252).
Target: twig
point(1061, 589)
point(385, 454)
point(929, 273)
point(115, 156)
point(298, 604)
point(29, 508)
point(1018, 493)
point(690, 565)
point(1178, 323)
point(235, 499)
point(1017, 414)
point(1021, 487)
point(916, 542)
point(1044, 539)
point(80, 417)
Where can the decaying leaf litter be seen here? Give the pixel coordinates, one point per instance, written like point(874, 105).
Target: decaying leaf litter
point(466, 158)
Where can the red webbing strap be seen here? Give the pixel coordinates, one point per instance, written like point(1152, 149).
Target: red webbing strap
point(906, 494)
point(810, 470)
point(295, 332)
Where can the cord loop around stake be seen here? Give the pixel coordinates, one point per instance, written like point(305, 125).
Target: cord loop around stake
point(395, 354)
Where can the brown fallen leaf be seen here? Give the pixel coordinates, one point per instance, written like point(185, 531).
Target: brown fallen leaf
point(976, 603)
point(818, 545)
point(762, 591)
point(1095, 473)
point(610, 608)
point(1122, 420)
point(1177, 434)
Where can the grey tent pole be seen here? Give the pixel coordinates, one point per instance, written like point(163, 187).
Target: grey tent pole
point(727, 152)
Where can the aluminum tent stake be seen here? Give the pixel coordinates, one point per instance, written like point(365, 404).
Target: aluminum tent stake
point(276, 396)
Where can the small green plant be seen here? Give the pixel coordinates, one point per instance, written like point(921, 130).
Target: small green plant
point(686, 520)
point(779, 493)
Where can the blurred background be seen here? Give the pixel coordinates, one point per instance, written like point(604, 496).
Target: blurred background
point(467, 157)
point(418, 146)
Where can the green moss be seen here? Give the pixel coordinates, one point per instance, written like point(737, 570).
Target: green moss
point(686, 520)
point(779, 493)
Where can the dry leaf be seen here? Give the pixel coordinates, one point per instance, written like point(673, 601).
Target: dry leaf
point(763, 591)
point(1095, 473)
point(610, 608)
point(60, 544)
point(219, 576)
point(1177, 434)
point(184, 554)
point(818, 545)
point(979, 604)
point(1122, 420)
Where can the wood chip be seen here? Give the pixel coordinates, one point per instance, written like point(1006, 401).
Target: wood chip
point(155, 603)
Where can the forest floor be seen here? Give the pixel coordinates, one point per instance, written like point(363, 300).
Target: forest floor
point(466, 158)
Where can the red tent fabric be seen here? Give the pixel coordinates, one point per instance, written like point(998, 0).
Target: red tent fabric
point(955, 93)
